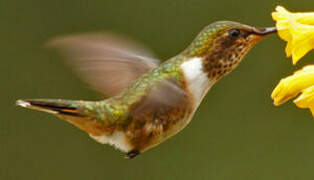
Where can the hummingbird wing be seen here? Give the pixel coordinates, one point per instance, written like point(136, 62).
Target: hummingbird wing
point(107, 62)
point(158, 111)
point(167, 94)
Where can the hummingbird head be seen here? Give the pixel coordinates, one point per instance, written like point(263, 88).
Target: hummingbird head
point(223, 44)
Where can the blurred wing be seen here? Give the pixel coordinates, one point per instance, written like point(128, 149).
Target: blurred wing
point(162, 99)
point(107, 62)
point(164, 107)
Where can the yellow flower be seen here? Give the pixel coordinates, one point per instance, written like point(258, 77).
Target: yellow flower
point(301, 81)
point(306, 99)
point(297, 29)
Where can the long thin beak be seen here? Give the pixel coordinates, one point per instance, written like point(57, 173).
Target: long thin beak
point(265, 31)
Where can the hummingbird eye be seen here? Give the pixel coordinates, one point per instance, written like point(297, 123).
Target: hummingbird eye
point(234, 33)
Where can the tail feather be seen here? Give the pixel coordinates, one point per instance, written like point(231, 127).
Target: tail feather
point(69, 110)
point(63, 107)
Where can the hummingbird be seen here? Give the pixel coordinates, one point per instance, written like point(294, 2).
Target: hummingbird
point(148, 101)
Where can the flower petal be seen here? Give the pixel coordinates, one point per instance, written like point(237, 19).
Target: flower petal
point(306, 99)
point(291, 86)
point(297, 29)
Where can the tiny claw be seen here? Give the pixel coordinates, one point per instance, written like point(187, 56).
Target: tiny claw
point(132, 154)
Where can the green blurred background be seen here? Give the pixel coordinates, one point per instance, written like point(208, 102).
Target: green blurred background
point(236, 134)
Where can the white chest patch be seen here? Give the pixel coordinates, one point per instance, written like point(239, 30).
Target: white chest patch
point(198, 82)
point(116, 139)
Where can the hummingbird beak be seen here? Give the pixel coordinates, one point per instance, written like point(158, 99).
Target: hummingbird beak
point(264, 31)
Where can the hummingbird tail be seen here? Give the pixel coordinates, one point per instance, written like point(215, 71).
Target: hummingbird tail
point(62, 107)
point(69, 110)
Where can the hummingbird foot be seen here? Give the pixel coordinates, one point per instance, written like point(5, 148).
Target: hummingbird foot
point(132, 154)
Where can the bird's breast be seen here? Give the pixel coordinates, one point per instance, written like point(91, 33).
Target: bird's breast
point(196, 79)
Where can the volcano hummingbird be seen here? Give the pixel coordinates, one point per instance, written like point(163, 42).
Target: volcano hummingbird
point(147, 102)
